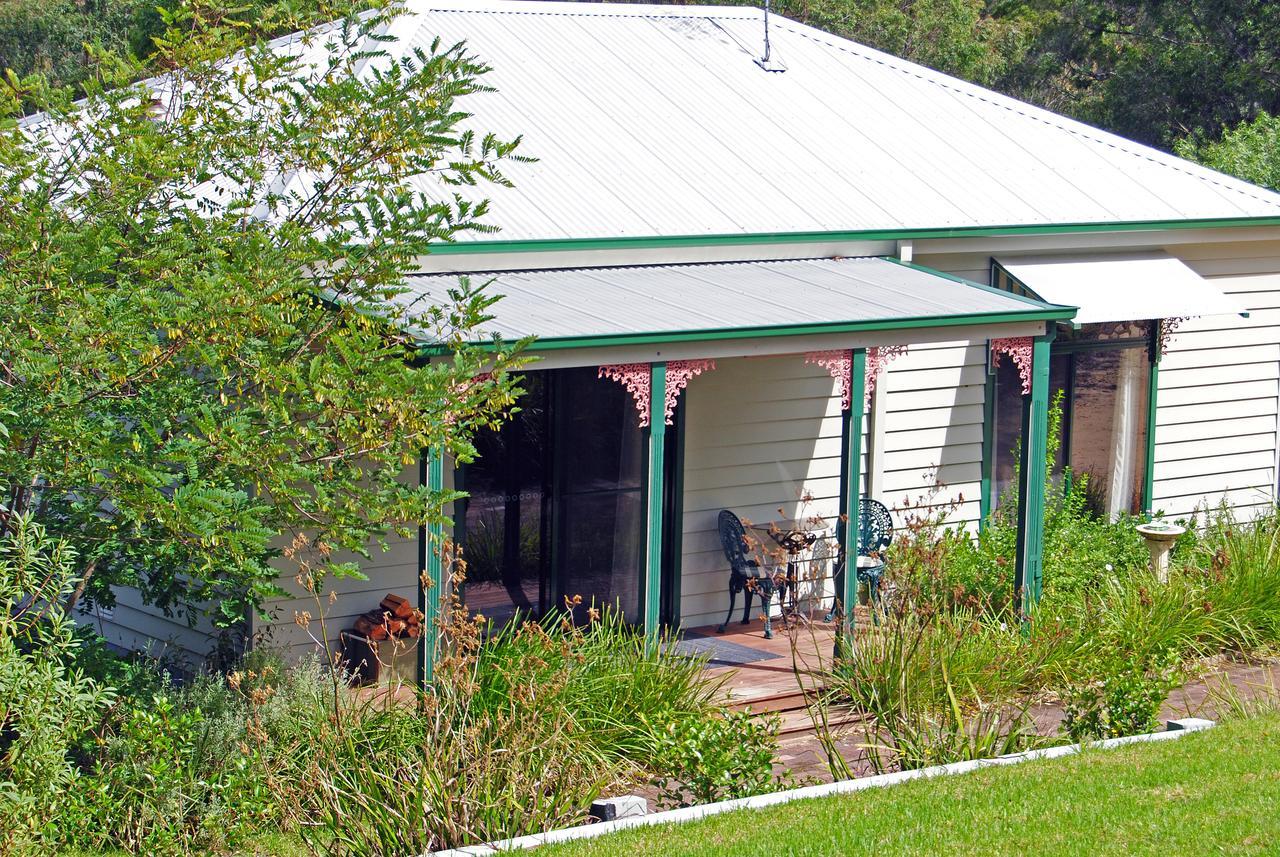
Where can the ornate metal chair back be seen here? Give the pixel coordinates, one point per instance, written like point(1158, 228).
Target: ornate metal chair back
point(875, 527)
point(733, 538)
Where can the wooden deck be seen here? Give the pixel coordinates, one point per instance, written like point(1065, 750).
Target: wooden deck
point(803, 647)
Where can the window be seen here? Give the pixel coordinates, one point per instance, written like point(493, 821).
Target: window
point(1101, 373)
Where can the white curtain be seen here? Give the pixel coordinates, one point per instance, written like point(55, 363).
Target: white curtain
point(1126, 421)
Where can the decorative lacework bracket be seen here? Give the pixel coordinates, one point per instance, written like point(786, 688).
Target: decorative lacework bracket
point(679, 374)
point(878, 358)
point(635, 377)
point(839, 365)
point(1019, 349)
point(1168, 326)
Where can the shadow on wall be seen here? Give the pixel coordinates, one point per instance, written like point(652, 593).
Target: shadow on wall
point(759, 433)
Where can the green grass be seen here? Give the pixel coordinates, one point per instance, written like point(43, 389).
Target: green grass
point(1216, 792)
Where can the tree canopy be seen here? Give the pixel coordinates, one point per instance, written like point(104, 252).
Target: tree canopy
point(204, 353)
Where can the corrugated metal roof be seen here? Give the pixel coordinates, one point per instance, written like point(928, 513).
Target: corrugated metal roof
point(654, 120)
point(688, 299)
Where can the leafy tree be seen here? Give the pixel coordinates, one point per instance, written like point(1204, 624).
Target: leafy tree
point(1250, 151)
point(49, 36)
point(1154, 70)
point(207, 350)
point(46, 703)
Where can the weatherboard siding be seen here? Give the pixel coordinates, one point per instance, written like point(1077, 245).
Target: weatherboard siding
point(135, 626)
point(1218, 410)
point(759, 433)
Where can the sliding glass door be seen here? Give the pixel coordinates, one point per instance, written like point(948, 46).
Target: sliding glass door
point(556, 505)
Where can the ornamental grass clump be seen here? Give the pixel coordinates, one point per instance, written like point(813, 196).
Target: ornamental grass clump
point(522, 728)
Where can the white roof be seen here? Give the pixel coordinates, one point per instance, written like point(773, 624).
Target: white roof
point(655, 120)
point(1122, 287)
point(742, 297)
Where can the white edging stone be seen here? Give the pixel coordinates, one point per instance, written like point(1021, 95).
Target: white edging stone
point(1177, 728)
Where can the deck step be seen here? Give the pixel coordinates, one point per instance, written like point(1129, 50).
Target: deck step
point(796, 723)
point(791, 700)
point(793, 713)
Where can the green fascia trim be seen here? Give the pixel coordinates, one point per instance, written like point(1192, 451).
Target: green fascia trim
point(1040, 304)
point(1048, 313)
point(538, 245)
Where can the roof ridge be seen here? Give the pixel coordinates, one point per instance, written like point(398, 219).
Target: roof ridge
point(586, 9)
point(1031, 111)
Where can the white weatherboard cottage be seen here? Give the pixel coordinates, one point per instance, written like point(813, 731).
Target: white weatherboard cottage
point(835, 273)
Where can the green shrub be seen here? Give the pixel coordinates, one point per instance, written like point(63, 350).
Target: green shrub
point(47, 704)
point(202, 767)
point(1124, 697)
point(946, 566)
point(714, 757)
point(394, 783)
point(1111, 646)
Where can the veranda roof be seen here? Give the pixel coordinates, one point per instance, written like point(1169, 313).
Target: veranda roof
point(678, 303)
point(1122, 287)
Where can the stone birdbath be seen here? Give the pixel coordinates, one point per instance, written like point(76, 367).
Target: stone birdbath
point(1160, 536)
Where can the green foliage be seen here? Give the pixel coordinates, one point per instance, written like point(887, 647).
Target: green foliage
point(520, 733)
point(939, 564)
point(1249, 150)
point(971, 39)
point(46, 703)
point(714, 757)
point(178, 394)
point(1124, 695)
point(50, 37)
point(1112, 648)
point(204, 767)
point(604, 674)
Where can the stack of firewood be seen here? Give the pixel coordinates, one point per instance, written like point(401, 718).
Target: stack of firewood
point(394, 618)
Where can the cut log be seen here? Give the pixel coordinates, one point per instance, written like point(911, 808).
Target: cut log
point(397, 606)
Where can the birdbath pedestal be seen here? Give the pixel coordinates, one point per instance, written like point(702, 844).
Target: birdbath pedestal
point(1160, 538)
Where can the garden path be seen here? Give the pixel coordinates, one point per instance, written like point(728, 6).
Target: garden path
point(775, 683)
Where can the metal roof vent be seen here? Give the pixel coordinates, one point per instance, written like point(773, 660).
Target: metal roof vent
point(767, 62)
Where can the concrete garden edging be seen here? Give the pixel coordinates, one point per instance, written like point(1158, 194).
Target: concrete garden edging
point(1176, 729)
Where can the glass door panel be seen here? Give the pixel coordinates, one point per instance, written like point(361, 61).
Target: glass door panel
point(600, 498)
point(504, 544)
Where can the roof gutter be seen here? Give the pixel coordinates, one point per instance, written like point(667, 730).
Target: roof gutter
point(1046, 313)
point(538, 245)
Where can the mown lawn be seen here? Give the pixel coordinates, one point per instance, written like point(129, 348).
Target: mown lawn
point(1216, 792)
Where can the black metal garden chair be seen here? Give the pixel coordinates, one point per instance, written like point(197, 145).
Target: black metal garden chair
point(875, 534)
point(745, 574)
